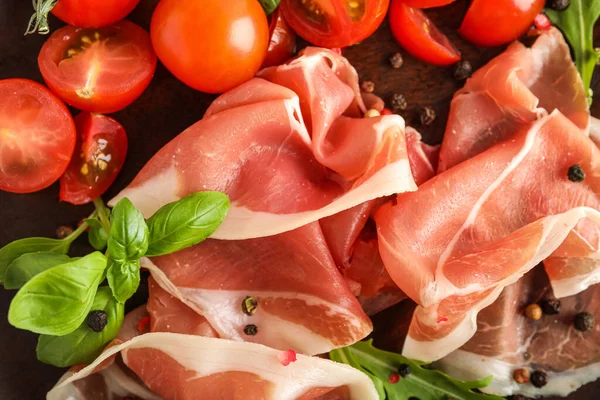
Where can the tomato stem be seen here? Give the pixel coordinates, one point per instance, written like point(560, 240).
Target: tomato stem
point(39, 20)
point(80, 229)
point(102, 213)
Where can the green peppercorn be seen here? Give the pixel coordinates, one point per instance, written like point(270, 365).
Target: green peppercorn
point(249, 305)
point(584, 322)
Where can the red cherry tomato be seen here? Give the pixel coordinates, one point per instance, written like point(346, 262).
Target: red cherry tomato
point(417, 34)
point(98, 70)
point(493, 23)
point(100, 155)
point(93, 13)
point(334, 23)
point(210, 45)
point(37, 136)
point(282, 45)
point(427, 3)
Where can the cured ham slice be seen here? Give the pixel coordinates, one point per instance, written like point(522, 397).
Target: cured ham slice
point(507, 340)
point(303, 301)
point(177, 366)
point(289, 148)
point(487, 222)
point(512, 90)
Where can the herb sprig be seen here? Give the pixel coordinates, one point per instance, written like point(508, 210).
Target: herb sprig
point(421, 383)
point(57, 292)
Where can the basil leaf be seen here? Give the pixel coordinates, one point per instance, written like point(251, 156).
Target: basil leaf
point(97, 236)
point(57, 301)
point(269, 5)
point(16, 249)
point(124, 279)
point(128, 239)
point(186, 222)
point(20, 271)
point(83, 345)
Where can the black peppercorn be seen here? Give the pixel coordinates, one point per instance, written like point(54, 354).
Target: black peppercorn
point(558, 5)
point(518, 397)
point(427, 116)
point(398, 103)
point(584, 322)
point(551, 306)
point(63, 231)
point(250, 330)
point(462, 70)
point(539, 379)
point(97, 320)
point(575, 173)
point(396, 60)
point(404, 370)
point(249, 305)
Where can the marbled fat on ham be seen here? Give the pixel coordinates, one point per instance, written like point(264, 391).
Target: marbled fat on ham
point(289, 148)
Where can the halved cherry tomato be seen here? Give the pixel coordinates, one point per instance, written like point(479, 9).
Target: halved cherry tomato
point(210, 45)
point(98, 70)
point(93, 13)
point(99, 157)
point(334, 23)
point(493, 23)
point(417, 34)
point(37, 136)
point(427, 3)
point(282, 45)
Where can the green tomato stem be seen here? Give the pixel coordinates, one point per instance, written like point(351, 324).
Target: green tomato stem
point(102, 214)
point(39, 20)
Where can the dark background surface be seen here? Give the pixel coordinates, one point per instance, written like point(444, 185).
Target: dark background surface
point(165, 109)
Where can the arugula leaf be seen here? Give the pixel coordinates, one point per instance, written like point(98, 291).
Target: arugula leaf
point(269, 5)
point(424, 384)
point(186, 222)
point(128, 239)
point(16, 249)
point(124, 279)
point(577, 24)
point(20, 271)
point(57, 301)
point(83, 345)
point(97, 236)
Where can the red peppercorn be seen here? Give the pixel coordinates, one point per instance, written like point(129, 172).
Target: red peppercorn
point(394, 377)
point(144, 325)
point(386, 111)
point(542, 22)
point(286, 357)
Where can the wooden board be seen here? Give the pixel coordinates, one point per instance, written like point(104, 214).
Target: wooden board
point(163, 111)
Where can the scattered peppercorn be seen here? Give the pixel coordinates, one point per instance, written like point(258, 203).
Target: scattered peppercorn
point(584, 322)
point(551, 306)
point(372, 113)
point(367, 86)
point(521, 376)
point(533, 311)
point(462, 70)
point(404, 370)
point(394, 378)
point(63, 231)
point(250, 330)
point(249, 305)
point(558, 5)
point(398, 103)
point(97, 320)
point(539, 379)
point(427, 116)
point(518, 397)
point(575, 173)
point(396, 60)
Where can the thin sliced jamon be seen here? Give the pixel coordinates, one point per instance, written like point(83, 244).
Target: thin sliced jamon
point(281, 174)
point(512, 90)
point(303, 302)
point(177, 366)
point(507, 340)
point(470, 231)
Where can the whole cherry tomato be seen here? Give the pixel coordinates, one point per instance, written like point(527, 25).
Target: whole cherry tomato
point(93, 13)
point(427, 3)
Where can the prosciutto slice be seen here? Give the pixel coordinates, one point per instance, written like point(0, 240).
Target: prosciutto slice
point(507, 340)
point(304, 302)
point(511, 91)
point(487, 222)
point(177, 366)
point(289, 148)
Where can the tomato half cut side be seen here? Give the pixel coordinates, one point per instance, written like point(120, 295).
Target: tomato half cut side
point(427, 3)
point(37, 136)
point(419, 36)
point(93, 13)
point(98, 70)
point(282, 44)
point(99, 157)
point(494, 23)
point(334, 23)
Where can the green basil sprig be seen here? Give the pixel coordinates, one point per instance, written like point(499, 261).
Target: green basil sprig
point(83, 345)
point(57, 301)
point(20, 271)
